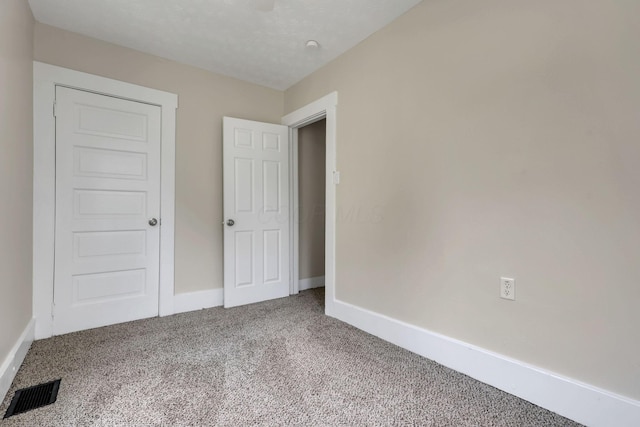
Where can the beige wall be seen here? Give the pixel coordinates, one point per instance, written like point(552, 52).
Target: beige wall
point(311, 182)
point(16, 170)
point(204, 98)
point(497, 138)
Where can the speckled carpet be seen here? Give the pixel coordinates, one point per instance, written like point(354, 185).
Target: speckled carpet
point(276, 363)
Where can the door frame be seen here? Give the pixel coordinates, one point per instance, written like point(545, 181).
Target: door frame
point(45, 79)
point(323, 108)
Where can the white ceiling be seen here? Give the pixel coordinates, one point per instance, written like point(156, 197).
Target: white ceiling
point(260, 41)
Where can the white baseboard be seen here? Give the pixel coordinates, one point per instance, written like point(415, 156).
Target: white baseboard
point(310, 283)
point(197, 300)
point(14, 359)
point(573, 399)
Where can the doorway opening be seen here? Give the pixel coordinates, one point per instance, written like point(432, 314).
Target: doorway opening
point(325, 109)
point(310, 218)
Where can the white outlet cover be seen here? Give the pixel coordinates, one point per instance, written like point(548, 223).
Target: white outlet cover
point(508, 288)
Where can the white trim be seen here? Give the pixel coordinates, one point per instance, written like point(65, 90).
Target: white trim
point(311, 112)
point(325, 107)
point(294, 235)
point(312, 282)
point(578, 401)
point(46, 77)
point(192, 301)
point(14, 359)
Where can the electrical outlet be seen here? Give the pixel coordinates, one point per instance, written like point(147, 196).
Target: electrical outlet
point(508, 288)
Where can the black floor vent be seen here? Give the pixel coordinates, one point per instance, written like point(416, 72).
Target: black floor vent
point(34, 397)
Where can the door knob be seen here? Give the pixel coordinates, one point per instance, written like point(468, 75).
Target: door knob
point(230, 222)
point(153, 222)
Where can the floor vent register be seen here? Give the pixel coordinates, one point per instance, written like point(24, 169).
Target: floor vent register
point(34, 397)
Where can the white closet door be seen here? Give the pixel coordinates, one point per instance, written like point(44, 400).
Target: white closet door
point(107, 210)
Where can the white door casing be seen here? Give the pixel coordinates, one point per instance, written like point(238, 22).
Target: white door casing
point(325, 107)
point(46, 78)
point(256, 199)
point(107, 190)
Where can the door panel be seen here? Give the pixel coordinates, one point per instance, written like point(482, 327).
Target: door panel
point(256, 198)
point(95, 204)
point(244, 197)
point(98, 245)
point(272, 256)
point(107, 188)
point(94, 162)
point(244, 258)
point(107, 287)
point(271, 186)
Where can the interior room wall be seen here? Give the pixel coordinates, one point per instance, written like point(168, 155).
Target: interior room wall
point(311, 197)
point(484, 139)
point(204, 98)
point(16, 170)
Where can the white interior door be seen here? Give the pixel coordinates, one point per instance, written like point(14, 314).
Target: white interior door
point(107, 204)
point(256, 211)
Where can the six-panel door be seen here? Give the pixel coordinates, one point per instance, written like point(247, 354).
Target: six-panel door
point(256, 211)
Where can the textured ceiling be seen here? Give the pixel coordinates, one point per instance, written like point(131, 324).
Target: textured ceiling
point(261, 41)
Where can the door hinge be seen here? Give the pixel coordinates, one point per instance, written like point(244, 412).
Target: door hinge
point(54, 109)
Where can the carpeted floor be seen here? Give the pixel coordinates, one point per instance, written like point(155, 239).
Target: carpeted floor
point(280, 362)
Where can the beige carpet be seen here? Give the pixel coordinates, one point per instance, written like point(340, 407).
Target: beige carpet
point(276, 363)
